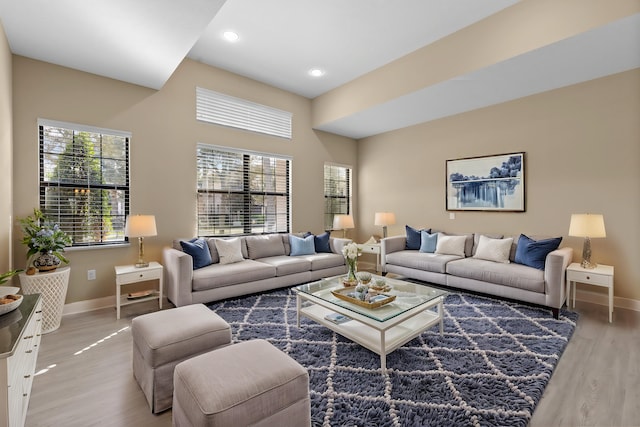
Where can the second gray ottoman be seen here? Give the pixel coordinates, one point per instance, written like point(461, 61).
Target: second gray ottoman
point(251, 383)
point(165, 338)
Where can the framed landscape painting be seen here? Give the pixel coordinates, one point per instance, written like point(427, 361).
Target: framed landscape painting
point(488, 183)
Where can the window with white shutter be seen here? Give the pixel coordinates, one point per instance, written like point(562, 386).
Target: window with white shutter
point(337, 192)
point(220, 109)
point(84, 181)
point(242, 192)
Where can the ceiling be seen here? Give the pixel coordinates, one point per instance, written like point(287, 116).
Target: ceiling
point(144, 41)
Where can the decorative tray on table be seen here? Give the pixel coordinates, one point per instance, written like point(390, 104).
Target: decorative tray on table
point(343, 294)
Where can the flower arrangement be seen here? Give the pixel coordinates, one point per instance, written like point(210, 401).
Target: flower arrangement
point(351, 253)
point(43, 236)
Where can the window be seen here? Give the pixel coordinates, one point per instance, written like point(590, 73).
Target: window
point(337, 192)
point(84, 181)
point(241, 192)
point(220, 109)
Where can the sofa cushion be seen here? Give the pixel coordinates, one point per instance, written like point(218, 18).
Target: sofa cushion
point(219, 275)
point(229, 250)
point(321, 243)
point(288, 264)
point(413, 237)
point(215, 258)
point(476, 240)
point(264, 246)
point(512, 275)
point(199, 251)
point(323, 260)
point(497, 250)
point(450, 245)
point(533, 253)
point(428, 242)
point(422, 261)
point(302, 246)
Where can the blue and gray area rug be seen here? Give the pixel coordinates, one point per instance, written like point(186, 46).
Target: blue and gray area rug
point(489, 369)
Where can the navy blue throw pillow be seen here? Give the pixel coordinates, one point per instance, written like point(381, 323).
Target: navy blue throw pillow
point(199, 251)
point(414, 239)
point(533, 253)
point(322, 243)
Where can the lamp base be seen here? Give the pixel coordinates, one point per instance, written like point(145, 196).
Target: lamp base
point(141, 264)
point(586, 255)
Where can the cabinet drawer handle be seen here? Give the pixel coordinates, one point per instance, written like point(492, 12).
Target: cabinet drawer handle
point(27, 376)
point(141, 275)
point(24, 394)
point(28, 337)
point(588, 277)
point(29, 351)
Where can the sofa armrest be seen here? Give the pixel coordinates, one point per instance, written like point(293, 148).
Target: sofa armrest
point(178, 275)
point(337, 243)
point(389, 245)
point(555, 268)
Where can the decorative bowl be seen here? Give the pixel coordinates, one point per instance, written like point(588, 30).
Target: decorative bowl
point(6, 308)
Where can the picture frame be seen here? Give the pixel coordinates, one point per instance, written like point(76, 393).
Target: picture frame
point(486, 183)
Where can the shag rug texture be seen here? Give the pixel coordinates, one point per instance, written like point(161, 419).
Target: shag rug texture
point(489, 368)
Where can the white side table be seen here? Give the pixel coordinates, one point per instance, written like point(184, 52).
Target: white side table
point(371, 248)
point(129, 274)
point(52, 286)
point(602, 275)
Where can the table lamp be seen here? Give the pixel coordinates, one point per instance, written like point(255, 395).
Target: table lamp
point(383, 219)
point(343, 222)
point(140, 226)
point(587, 226)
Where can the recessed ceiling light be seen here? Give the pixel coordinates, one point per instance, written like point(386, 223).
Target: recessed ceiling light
point(316, 72)
point(230, 36)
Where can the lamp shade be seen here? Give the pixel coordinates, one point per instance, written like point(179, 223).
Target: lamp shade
point(587, 225)
point(140, 226)
point(384, 218)
point(342, 222)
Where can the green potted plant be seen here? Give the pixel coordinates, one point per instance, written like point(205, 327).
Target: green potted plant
point(4, 277)
point(45, 238)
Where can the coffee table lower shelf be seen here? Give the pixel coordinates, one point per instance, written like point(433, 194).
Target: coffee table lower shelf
point(381, 338)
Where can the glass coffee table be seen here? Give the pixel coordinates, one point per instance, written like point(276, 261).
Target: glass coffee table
point(382, 330)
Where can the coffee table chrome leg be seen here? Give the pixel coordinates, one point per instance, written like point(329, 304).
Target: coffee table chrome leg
point(298, 306)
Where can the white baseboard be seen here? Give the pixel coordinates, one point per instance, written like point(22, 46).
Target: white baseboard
point(602, 299)
point(581, 295)
point(89, 305)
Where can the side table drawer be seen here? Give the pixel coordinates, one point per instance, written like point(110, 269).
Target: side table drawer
point(587, 277)
point(370, 249)
point(138, 276)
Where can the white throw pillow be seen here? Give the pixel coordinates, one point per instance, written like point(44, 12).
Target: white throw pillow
point(450, 245)
point(229, 250)
point(497, 250)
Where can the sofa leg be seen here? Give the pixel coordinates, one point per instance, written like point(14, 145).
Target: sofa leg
point(556, 313)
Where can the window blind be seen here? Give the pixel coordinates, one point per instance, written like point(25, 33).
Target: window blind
point(84, 181)
point(337, 192)
point(218, 108)
point(242, 192)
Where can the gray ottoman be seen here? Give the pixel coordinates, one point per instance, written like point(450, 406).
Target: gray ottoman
point(165, 338)
point(251, 383)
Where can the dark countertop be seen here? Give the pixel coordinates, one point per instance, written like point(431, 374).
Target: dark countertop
point(12, 324)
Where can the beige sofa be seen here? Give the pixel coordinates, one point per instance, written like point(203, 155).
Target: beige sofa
point(510, 280)
point(265, 264)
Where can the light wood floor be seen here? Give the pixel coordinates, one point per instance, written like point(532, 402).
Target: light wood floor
point(89, 381)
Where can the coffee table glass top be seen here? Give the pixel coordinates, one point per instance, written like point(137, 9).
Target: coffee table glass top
point(408, 296)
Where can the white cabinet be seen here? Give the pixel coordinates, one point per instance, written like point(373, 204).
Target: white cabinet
point(20, 333)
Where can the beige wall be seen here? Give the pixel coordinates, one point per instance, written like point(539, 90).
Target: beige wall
point(164, 136)
point(6, 126)
point(582, 147)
